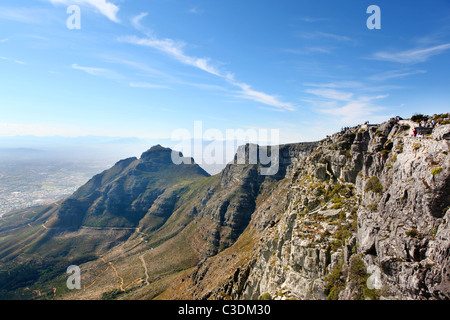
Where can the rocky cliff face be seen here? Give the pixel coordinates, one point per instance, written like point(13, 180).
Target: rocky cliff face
point(365, 216)
point(224, 210)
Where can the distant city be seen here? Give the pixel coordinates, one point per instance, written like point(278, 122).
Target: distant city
point(36, 171)
point(37, 182)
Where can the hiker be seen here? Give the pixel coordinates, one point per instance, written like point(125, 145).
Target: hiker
point(414, 132)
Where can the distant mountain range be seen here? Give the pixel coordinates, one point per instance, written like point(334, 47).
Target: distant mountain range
point(96, 148)
point(363, 214)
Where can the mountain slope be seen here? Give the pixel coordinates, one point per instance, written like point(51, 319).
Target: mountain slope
point(124, 194)
point(365, 216)
point(133, 196)
point(362, 214)
point(141, 207)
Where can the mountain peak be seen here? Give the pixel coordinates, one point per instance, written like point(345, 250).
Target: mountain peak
point(158, 154)
point(158, 147)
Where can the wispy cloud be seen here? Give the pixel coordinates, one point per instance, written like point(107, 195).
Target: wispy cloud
point(336, 84)
point(175, 49)
point(91, 70)
point(347, 107)
point(143, 68)
point(392, 74)
point(136, 21)
point(411, 56)
point(247, 92)
point(331, 94)
point(313, 19)
point(310, 50)
point(147, 85)
point(26, 15)
point(356, 111)
point(168, 46)
point(105, 7)
point(159, 75)
point(98, 72)
point(12, 60)
point(195, 10)
point(326, 35)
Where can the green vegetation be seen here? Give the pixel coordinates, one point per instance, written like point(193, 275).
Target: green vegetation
point(265, 296)
point(419, 117)
point(414, 233)
point(416, 146)
point(344, 232)
point(442, 118)
point(335, 281)
point(374, 185)
point(433, 232)
point(355, 276)
point(339, 189)
point(348, 154)
point(358, 277)
point(436, 171)
point(337, 205)
point(399, 147)
point(338, 202)
point(112, 295)
point(345, 229)
point(39, 277)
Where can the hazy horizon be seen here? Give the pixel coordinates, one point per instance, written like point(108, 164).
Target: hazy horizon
point(147, 69)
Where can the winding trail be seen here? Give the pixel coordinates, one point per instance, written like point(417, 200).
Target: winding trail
point(145, 268)
point(117, 274)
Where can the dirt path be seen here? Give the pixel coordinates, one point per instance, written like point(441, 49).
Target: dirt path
point(117, 274)
point(145, 268)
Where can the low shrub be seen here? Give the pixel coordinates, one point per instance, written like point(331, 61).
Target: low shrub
point(374, 185)
point(436, 171)
point(419, 117)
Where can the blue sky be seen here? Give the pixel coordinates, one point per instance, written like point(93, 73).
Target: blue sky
point(147, 68)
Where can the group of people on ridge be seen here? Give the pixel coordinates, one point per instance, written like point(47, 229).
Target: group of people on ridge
point(424, 124)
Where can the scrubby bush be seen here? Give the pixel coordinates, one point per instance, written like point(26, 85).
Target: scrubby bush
point(414, 233)
point(436, 171)
point(335, 281)
point(266, 296)
point(374, 185)
point(358, 276)
point(419, 117)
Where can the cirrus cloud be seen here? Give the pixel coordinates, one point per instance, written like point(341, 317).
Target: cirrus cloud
point(175, 49)
point(411, 56)
point(105, 7)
